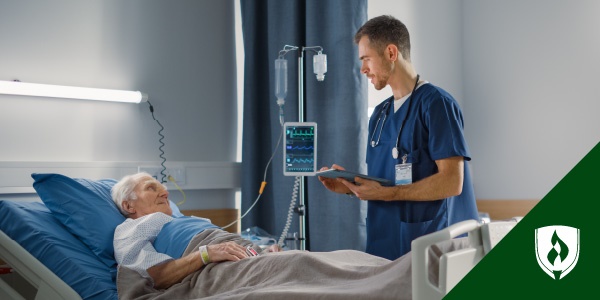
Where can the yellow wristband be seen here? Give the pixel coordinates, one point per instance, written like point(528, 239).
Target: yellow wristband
point(204, 255)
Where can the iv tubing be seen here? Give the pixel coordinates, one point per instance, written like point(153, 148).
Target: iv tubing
point(263, 184)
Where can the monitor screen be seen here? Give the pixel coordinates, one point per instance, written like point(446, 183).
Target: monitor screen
point(300, 149)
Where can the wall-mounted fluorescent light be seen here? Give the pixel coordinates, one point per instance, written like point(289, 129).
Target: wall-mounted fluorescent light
point(71, 92)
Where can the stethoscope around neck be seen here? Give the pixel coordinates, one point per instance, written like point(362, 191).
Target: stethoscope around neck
point(383, 113)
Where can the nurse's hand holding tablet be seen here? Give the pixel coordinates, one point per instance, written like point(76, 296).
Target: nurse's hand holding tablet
point(338, 180)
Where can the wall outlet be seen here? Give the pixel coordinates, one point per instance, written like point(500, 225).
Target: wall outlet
point(178, 173)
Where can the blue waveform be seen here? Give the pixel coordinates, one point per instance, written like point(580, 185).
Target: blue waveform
point(303, 148)
point(301, 160)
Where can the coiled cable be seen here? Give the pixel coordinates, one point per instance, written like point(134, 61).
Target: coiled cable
point(288, 222)
point(162, 144)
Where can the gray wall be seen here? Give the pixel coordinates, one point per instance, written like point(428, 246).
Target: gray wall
point(524, 72)
point(531, 72)
point(181, 53)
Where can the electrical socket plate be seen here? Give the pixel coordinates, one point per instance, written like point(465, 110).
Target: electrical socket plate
point(178, 173)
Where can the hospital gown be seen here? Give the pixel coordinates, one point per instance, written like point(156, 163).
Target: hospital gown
point(133, 242)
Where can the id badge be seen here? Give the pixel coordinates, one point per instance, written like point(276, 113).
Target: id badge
point(403, 172)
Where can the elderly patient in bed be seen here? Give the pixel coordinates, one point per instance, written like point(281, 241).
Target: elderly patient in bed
point(145, 203)
point(220, 264)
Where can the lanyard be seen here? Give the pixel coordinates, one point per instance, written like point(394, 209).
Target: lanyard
point(395, 150)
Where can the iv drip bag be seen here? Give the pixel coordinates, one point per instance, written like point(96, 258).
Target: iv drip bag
point(320, 65)
point(280, 78)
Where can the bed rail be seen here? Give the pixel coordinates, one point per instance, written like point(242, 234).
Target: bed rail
point(49, 286)
point(453, 265)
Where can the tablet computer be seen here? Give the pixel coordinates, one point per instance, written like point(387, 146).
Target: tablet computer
point(333, 173)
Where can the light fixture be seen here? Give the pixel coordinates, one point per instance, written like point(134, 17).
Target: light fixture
point(71, 92)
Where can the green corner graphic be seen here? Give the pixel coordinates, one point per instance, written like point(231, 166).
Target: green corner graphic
point(511, 271)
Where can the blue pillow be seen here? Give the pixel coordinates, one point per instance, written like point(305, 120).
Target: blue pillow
point(175, 236)
point(32, 225)
point(86, 208)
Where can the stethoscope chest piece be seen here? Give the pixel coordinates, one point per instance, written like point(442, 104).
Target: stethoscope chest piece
point(395, 153)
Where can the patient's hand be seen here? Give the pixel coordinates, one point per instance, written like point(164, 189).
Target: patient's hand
point(226, 251)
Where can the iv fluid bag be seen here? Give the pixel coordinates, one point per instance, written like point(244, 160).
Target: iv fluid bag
point(320, 66)
point(280, 78)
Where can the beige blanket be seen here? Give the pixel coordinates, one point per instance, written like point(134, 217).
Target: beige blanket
point(345, 274)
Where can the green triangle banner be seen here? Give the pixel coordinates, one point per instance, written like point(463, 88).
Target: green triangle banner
point(553, 252)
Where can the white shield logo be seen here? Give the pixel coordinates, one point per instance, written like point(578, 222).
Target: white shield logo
point(557, 249)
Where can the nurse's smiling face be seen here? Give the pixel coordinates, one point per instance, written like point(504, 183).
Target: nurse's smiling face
point(374, 65)
point(152, 197)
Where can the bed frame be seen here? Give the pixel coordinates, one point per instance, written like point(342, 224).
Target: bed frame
point(48, 285)
point(453, 266)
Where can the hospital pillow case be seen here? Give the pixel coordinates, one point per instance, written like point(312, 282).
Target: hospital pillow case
point(85, 207)
point(32, 225)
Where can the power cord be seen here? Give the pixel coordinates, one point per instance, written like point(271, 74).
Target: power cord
point(162, 144)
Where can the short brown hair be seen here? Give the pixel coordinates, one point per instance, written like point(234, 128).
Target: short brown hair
point(385, 30)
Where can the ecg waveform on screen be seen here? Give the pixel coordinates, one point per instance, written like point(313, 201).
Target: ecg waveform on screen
point(301, 133)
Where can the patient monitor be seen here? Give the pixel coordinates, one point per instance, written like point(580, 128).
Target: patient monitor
point(300, 148)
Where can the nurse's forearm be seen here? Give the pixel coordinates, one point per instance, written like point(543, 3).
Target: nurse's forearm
point(447, 182)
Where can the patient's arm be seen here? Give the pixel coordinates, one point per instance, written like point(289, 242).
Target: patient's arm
point(173, 271)
point(170, 272)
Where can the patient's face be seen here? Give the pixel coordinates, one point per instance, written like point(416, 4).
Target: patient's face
point(152, 197)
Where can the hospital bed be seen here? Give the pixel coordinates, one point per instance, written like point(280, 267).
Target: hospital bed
point(60, 266)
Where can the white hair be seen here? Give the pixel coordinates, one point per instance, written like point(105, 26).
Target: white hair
point(124, 190)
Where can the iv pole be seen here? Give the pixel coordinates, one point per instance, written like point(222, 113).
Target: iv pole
point(302, 208)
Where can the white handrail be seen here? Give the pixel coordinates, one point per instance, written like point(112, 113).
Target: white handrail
point(48, 284)
point(421, 287)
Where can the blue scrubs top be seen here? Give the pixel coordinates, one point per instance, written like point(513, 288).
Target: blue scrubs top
point(433, 131)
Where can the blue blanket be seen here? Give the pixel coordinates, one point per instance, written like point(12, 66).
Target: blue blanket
point(175, 236)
